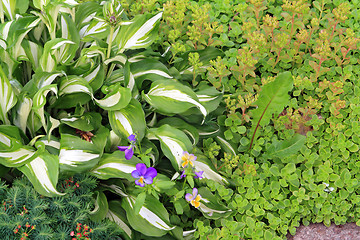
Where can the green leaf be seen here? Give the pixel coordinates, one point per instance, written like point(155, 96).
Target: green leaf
point(115, 166)
point(285, 148)
point(152, 220)
point(139, 34)
point(21, 112)
point(118, 215)
point(53, 55)
point(7, 97)
point(8, 6)
point(139, 202)
point(173, 143)
point(101, 207)
point(115, 100)
point(88, 121)
point(77, 155)
point(178, 123)
point(210, 206)
point(43, 174)
point(272, 100)
point(170, 97)
point(129, 120)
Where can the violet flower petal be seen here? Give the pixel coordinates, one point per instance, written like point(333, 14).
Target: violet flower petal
point(132, 138)
point(148, 180)
point(129, 153)
point(199, 174)
point(150, 172)
point(182, 174)
point(137, 182)
point(195, 192)
point(123, 148)
point(141, 167)
point(189, 197)
point(135, 174)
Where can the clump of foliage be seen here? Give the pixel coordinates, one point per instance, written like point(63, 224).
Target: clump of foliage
point(24, 214)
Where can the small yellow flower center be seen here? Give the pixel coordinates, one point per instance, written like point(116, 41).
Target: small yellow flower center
point(196, 201)
point(187, 158)
point(141, 180)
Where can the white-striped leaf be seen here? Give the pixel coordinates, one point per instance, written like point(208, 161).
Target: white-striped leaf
point(51, 55)
point(115, 166)
point(33, 52)
point(8, 6)
point(178, 123)
point(73, 90)
point(7, 97)
point(68, 31)
point(116, 99)
point(95, 76)
point(129, 120)
point(43, 173)
point(152, 219)
point(18, 156)
point(93, 29)
point(174, 143)
point(210, 206)
point(77, 155)
point(43, 79)
point(22, 111)
point(171, 97)
point(118, 215)
point(149, 69)
point(225, 145)
point(209, 97)
point(39, 101)
point(140, 34)
point(202, 163)
point(101, 207)
point(85, 122)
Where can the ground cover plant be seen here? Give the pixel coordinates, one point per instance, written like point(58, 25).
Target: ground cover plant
point(199, 119)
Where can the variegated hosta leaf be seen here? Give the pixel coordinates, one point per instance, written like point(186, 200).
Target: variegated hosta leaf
point(40, 101)
point(73, 90)
point(95, 76)
point(115, 166)
point(68, 31)
point(42, 79)
point(210, 206)
point(33, 52)
point(93, 29)
point(149, 69)
point(208, 130)
point(22, 111)
point(43, 173)
point(178, 123)
point(174, 143)
point(202, 163)
point(10, 137)
point(209, 97)
point(171, 97)
point(17, 156)
point(86, 122)
point(77, 155)
point(225, 145)
point(52, 145)
point(7, 97)
point(14, 32)
point(152, 219)
point(118, 98)
point(51, 55)
point(140, 34)
point(129, 120)
point(101, 207)
point(119, 58)
point(118, 215)
point(8, 6)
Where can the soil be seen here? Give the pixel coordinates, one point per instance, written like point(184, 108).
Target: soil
point(318, 231)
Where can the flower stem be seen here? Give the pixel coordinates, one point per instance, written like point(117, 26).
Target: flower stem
point(110, 42)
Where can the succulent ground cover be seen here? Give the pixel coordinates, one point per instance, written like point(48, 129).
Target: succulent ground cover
point(195, 119)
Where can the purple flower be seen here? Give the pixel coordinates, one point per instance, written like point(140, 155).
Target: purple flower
point(193, 198)
point(198, 174)
point(144, 175)
point(129, 151)
point(182, 174)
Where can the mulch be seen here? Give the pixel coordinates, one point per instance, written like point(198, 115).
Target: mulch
point(318, 231)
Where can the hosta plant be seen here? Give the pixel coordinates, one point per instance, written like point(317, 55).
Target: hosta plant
point(83, 92)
